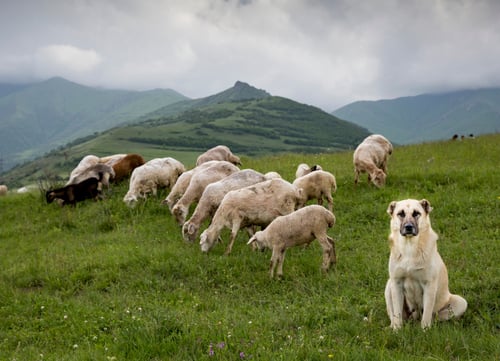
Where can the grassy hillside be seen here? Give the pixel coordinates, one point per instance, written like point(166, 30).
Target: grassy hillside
point(39, 117)
point(270, 125)
point(104, 282)
point(428, 116)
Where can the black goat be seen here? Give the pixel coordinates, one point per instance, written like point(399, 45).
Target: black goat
point(70, 194)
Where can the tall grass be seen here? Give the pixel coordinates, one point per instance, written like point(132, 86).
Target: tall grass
point(104, 282)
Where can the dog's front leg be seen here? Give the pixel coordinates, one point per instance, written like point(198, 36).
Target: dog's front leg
point(397, 298)
point(430, 290)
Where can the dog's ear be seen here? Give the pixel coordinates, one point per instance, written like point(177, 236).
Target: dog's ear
point(391, 207)
point(426, 205)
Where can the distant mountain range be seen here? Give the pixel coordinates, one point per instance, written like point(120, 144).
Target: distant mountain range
point(38, 117)
point(428, 117)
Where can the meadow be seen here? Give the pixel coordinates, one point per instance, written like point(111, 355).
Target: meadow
point(104, 282)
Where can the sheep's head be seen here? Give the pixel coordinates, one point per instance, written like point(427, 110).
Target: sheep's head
point(378, 177)
point(189, 231)
point(206, 241)
point(130, 199)
point(180, 213)
point(258, 241)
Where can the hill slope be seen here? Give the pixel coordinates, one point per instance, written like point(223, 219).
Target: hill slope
point(429, 116)
point(268, 125)
point(35, 118)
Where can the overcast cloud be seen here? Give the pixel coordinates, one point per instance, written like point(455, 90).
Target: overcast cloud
point(324, 53)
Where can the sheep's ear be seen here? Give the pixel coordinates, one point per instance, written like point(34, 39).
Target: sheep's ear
point(426, 205)
point(391, 207)
point(190, 228)
point(252, 240)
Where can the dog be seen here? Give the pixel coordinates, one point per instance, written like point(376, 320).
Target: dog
point(418, 278)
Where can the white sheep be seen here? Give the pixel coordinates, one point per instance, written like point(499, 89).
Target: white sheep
point(147, 178)
point(199, 181)
point(212, 196)
point(317, 185)
point(220, 152)
point(255, 205)
point(102, 172)
point(3, 190)
point(298, 228)
point(303, 169)
point(85, 162)
point(371, 157)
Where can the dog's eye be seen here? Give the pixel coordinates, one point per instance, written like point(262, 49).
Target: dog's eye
point(416, 214)
point(401, 214)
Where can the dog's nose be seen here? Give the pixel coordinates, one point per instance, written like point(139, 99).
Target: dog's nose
point(409, 229)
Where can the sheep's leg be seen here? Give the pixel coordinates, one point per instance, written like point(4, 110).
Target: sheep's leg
point(234, 232)
point(281, 259)
point(333, 258)
point(356, 177)
point(274, 260)
point(327, 251)
point(330, 201)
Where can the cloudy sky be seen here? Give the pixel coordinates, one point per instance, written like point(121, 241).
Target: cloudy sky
point(326, 53)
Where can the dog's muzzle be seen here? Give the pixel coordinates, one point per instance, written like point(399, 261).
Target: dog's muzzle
point(408, 229)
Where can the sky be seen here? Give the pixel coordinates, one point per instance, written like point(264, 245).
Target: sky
point(325, 53)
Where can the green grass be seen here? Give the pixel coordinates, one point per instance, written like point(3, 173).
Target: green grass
point(104, 282)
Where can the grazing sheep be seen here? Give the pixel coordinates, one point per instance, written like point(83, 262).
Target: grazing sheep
point(101, 172)
point(199, 181)
point(255, 205)
point(317, 185)
point(220, 152)
point(88, 189)
point(371, 157)
point(85, 163)
point(304, 169)
point(124, 167)
point(3, 190)
point(298, 228)
point(212, 196)
point(145, 179)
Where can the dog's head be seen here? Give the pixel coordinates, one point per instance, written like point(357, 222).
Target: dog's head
point(409, 216)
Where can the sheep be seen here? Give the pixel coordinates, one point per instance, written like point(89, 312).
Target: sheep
point(85, 163)
point(317, 184)
point(111, 159)
point(298, 228)
point(88, 189)
point(371, 157)
point(220, 152)
point(101, 172)
point(255, 205)
point(304, 169)
point(158, 172)
point(212, 196)
point(182, 183)
point(124, 167)
point(3, 190)
point(197, 185)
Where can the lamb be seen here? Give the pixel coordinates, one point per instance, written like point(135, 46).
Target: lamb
point(220, 152)
point(145, 179)
point(257, 205)
point(298, 228)
point(371, 157)
point(199, 181)
point(182, 183)
point(317, 185)
point(124, 167)
point(101, 172)
point(212, 196)
point(88, 189)
point(304, 169)
point(85, 163)
point(3, 190)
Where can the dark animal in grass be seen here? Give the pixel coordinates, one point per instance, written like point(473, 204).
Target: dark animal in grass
point(73, 193)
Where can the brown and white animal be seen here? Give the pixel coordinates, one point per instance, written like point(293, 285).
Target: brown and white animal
point(212, 196)
point(317, 185)
point(124, 166)
point(102, 172)
point(220, 152)
point(199, 181)
point(371, 157)
point(256, 205)
point(3, 190)
point(71, 194)
point(154, 174)
point(418, 278)
point(300, 227)
point(303, 169)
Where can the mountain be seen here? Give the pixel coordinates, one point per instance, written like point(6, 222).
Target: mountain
point(35, 118)
point(260, 125)
point(429, 116)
